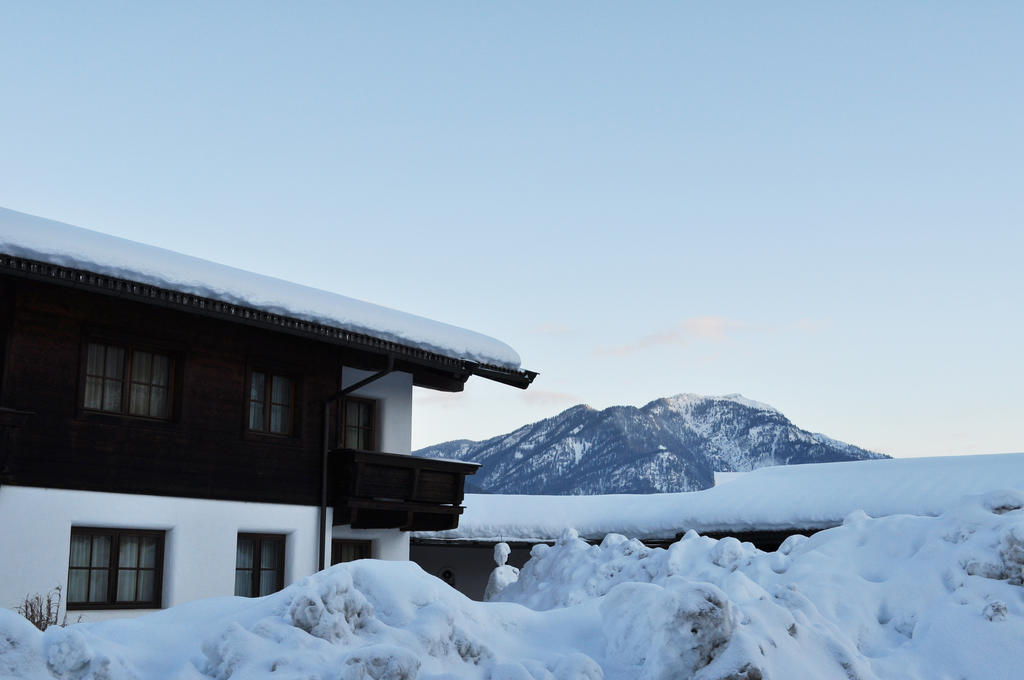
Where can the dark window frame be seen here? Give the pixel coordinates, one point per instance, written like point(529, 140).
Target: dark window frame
point(130, 348)
point(345, 426)
point(254, 576)
point(268, 403)
point(365, 547)
point(112, 568)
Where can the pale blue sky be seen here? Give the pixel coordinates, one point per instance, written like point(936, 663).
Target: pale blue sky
point(818, 206)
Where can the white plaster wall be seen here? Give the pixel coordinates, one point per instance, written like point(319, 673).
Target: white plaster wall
point(199, 547)
point(385, 544)
point(393, 394)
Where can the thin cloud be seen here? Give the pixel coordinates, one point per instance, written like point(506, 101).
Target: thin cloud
point(710, 329)
point(715, 329)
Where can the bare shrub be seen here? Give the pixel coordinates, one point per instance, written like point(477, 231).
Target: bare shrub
point(43, 611)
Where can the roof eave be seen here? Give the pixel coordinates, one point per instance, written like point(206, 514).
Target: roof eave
point(443, 372)
point(521, 379)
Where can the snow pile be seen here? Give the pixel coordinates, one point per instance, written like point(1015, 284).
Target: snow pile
point(902, 597)
point(898, 597)
point(358, 621)
point(64, 245)
point(785, 497)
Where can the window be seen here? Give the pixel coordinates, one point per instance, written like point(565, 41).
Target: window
point(259, 564)
point(358, 424)
point(115, 568)
point(121, 379)
point(271, 403)
point(349, 551)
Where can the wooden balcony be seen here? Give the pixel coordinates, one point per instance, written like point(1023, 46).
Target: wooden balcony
point(371, 490)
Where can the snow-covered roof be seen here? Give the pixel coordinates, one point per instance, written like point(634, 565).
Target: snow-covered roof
point(35, 238)
point(775, 498)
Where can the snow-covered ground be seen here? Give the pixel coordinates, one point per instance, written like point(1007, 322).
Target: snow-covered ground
point(903, 596)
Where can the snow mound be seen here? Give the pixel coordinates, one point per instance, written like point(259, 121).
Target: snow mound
point(368, 620)
point(895, 598)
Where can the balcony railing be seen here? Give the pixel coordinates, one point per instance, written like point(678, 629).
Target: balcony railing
point(390, 491)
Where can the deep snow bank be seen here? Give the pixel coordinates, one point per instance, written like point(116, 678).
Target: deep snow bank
point(897, 597)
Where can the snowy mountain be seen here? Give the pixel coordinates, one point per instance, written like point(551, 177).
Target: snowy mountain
point(671, 444)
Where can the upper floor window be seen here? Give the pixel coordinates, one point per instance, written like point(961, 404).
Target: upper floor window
point(121, 379)
point(271, 403)
point(115, 568)
point(358, 428)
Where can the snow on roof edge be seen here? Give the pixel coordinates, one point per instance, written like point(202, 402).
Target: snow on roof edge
point(57, 243)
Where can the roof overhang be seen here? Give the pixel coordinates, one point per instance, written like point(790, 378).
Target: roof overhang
point(429, 369)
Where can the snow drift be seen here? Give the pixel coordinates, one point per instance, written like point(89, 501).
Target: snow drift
point(897, 597)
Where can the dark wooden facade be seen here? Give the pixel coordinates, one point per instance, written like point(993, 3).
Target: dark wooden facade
point(205, 449)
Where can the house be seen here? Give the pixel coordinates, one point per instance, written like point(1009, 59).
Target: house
point(173, 429)
point(763, 507)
